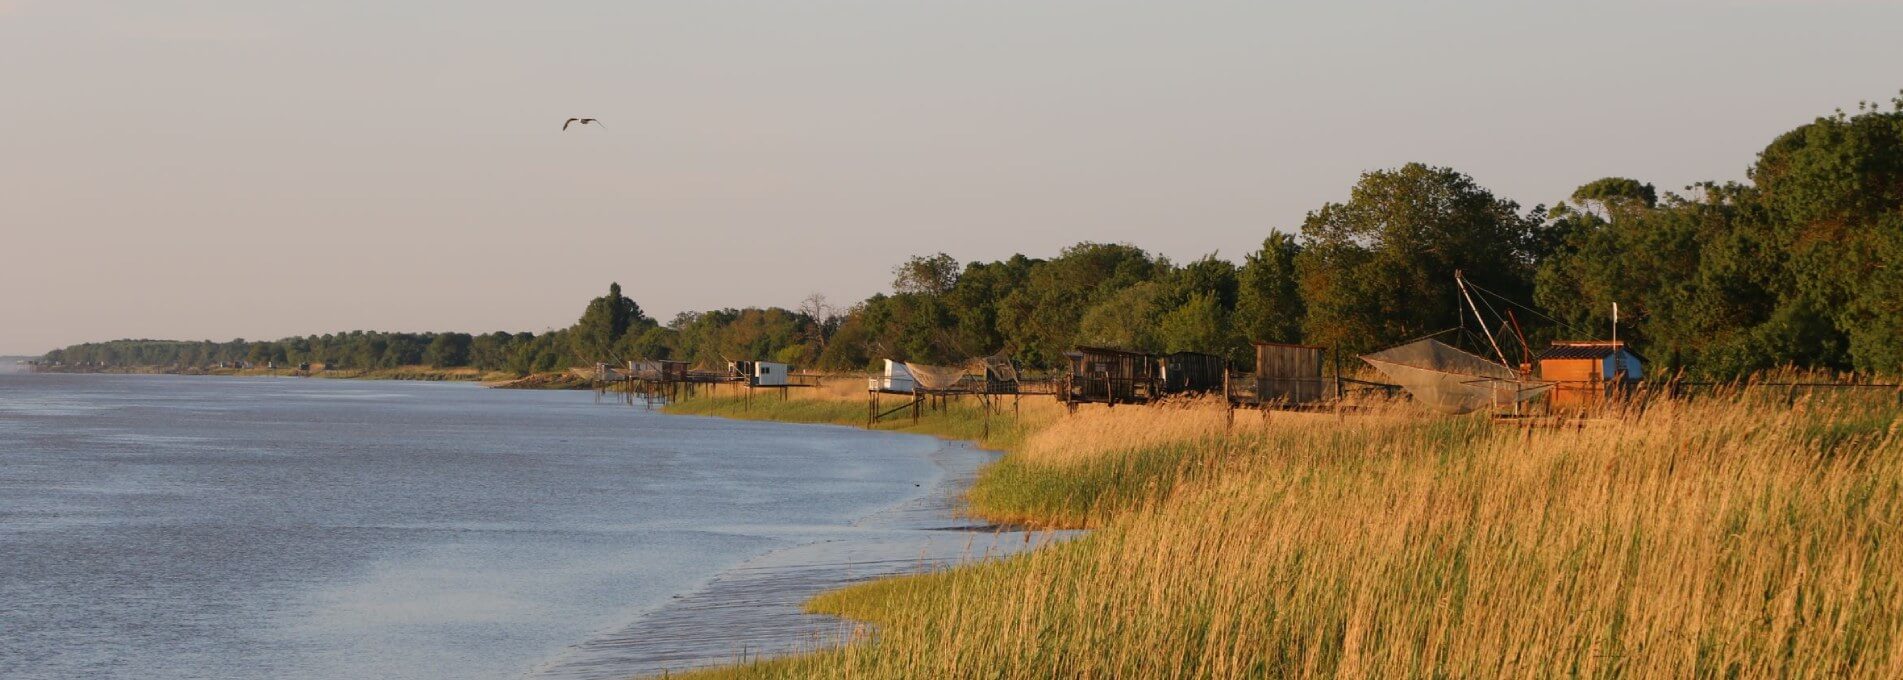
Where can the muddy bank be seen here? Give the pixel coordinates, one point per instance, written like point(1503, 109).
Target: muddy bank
point(754, 610)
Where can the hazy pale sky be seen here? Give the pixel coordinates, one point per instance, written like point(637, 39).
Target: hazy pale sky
point(217, 169)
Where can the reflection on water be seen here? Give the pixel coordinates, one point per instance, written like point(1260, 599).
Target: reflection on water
point(756, 609)
point(175, 527)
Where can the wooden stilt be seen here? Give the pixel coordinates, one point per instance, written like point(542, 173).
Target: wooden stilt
point(986, 403)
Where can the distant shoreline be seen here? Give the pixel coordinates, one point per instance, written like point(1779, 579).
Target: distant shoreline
point(497, 379)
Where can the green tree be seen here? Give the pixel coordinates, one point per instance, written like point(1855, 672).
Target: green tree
point(1199, 325)
point(1040, 319)
point(650, 342)
point(974, 304)
point(400, 349)
point(851, 346)
point(448, 350)
point(1126, 319)
point(1269, 304)
point(597, 335)
point(490, 351)
point(1612, 196)
point(1380, 268)
point(1209, 275)
point(926, 275)
point(1833, 192)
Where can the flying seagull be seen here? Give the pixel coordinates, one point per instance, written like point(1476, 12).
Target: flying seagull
point(583, 121)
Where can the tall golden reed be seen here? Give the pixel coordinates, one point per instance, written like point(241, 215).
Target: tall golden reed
point(1724, 537)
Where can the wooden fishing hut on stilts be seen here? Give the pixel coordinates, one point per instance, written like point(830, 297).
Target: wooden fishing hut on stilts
point(658, 380)
point(927, 387)
point(1102, 375)
point(662, 381)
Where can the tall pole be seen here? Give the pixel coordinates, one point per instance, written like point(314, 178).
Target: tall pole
point(1615, 326)
point(1459, 279)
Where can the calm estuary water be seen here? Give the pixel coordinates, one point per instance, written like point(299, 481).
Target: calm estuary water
point(159, 527)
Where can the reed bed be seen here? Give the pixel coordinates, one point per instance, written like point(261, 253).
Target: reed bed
point(1727, 536)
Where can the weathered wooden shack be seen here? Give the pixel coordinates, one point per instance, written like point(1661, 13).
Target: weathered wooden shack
point(658, 370)
point(1288, 374)
point(1191, 373)
point(1100, 375)
point(761, 373)
point(1586, 373)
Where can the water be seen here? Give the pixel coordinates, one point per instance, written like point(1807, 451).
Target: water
point(161, 527)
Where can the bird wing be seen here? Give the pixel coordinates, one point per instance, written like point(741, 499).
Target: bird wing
point(604, 126)
point(567, 122)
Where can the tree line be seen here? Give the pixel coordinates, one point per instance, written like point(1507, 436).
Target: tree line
point(353, 350)
point(1797, 266)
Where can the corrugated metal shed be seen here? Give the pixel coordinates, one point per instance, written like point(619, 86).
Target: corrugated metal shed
point(1582, 350)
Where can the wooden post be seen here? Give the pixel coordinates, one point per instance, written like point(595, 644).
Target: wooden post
point(987, 406)
point(1336, 355)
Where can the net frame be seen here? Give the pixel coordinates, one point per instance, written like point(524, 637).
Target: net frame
point(1451, 380)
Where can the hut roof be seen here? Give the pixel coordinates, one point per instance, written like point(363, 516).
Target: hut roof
point(1586, 350)
point(1260, 343)
point(1108, 350)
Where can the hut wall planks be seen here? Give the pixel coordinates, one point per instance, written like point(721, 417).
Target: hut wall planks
point(1288, 373)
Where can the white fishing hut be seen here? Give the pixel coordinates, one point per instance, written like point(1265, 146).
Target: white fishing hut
point(897, 379)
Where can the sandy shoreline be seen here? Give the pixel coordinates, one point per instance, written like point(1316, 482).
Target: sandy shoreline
point(754, 609)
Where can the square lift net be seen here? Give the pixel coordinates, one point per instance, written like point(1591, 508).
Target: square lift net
point(1449, 380)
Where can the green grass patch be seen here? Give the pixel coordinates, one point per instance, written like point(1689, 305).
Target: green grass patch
point(964, 420)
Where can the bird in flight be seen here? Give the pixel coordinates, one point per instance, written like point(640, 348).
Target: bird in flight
point(583, 121)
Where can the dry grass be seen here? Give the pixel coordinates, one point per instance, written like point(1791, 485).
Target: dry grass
point(839, 387)
point(1725, 537)
point(842, 400)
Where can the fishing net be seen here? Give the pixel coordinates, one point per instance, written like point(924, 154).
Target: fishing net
point(937, 377)
point(1000, 368)
point(1447, 379)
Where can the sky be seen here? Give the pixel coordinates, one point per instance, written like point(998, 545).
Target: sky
point(204, 169)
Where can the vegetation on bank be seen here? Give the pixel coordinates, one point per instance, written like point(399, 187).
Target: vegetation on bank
point(1791, 268)
point(842, 401)
point(1741, 535)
